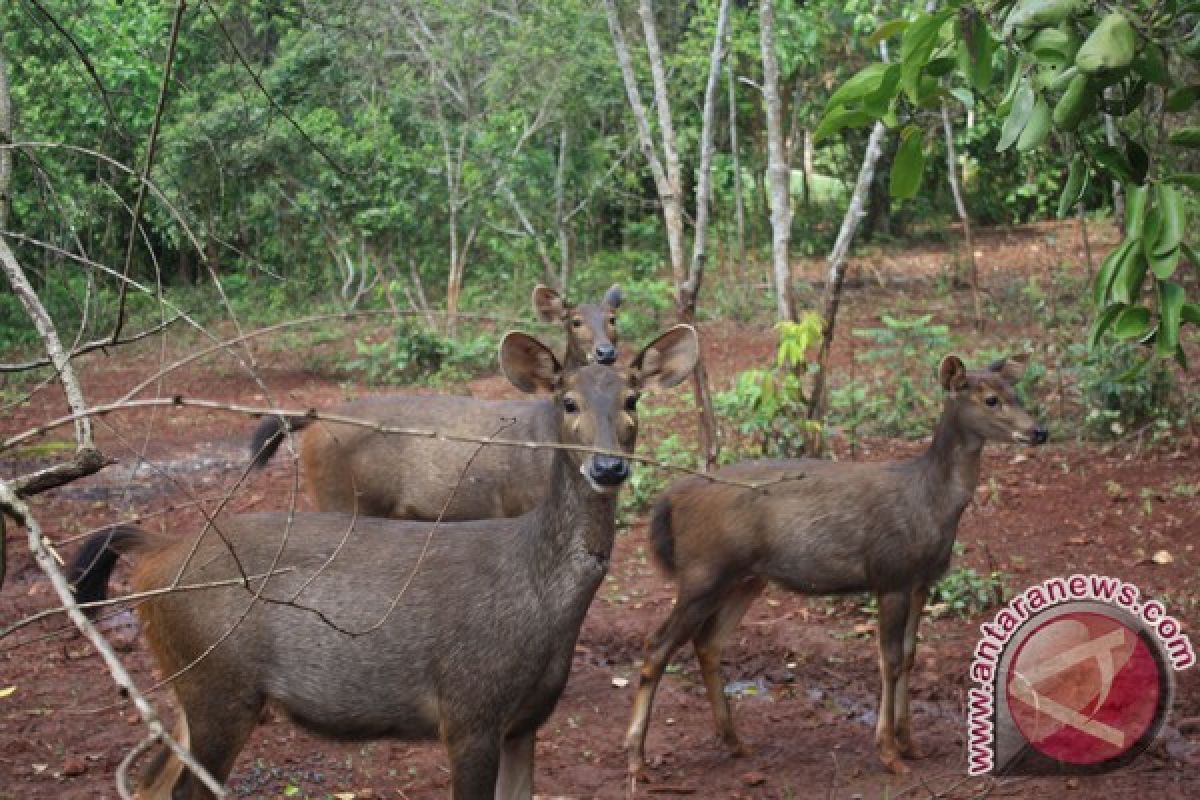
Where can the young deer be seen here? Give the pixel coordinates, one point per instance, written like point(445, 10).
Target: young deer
point(357, 470)
point(384, 628)
point(825, 528)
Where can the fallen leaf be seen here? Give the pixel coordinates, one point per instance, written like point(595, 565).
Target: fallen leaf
point(620, 683)
point(7, 691)
point(1162, 557)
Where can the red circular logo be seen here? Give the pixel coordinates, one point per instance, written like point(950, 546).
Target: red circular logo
point(1084, 688)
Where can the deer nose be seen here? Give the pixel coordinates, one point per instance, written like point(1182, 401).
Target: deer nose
point(609, 470)
point(1040, 434)
point(605, 354)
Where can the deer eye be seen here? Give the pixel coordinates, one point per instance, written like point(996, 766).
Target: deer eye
point(612, 321)
point(576, 322)
point(631, 402)
point(992, 401)
point(569, 405)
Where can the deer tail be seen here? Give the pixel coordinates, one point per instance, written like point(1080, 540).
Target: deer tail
point(662, 538)
point(91, 567)
point(269, 435)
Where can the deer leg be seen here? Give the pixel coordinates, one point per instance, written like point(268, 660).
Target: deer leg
point(474, 765)
point(515, 781)
point(682, 624)
point(708, 644)
point(903, 718)
point(215, 732)
point(893, 618)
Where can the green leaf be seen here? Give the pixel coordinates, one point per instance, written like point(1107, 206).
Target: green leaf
point(1138, 159)
point(1163, 264)
point(1189, 179)
point(1171, 299)
point(1133, 323)
point(1022, 107)
point(963, 96)
point(975, 49)
point(886, 31)
point(1103, 322)
point(1168, 201)
point(1075, 185)
point(1111, 159)
point(1183, 99)
point(840, 118)
point(1185, 137)
point(1191, 313)
point(908, 164)
point(1131, 274)
point(864, 83)
point(1136, 196)
point(1151, 64)
point(915, 48)
point(1102, 289)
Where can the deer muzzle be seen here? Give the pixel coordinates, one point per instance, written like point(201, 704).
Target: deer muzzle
point(606, 473)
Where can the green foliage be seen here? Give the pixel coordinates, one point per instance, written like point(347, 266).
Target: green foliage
point(965, 592)
point(646, 481)
point(1120, 391)
point(768, 407)
point(1067, 63)
point(413, 355)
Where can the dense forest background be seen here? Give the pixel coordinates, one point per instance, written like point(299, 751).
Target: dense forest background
point(359, 153)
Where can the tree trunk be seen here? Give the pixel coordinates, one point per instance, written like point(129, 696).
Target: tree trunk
point(837, 267)
point(778, 174)
point(689, 291)
point(738, 195)
point(960, 205)
point(562, 224)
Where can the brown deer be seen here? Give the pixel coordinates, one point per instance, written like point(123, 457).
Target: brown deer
point(825, 527)
point(357, 470)
point(384, 628)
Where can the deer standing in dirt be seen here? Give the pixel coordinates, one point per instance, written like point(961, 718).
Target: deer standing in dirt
point(381, 628)
point(355, 469)
point(822, 527)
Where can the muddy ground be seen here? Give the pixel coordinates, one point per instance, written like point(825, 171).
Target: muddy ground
point(803, 670)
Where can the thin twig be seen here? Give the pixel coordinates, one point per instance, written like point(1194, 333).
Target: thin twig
point(98, 344)
point(151, 146)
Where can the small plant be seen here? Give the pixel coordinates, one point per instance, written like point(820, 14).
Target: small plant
point(647, 481)
point(1120, 389)
point(769, 407)
point(902, 339)
point(413, 354)
point(965, 592)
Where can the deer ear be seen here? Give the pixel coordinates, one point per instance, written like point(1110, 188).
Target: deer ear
point(952, 374)
point(527, 363)
point(668, 359)
point(1012, 367)
point(548, 303)
point(614, 296)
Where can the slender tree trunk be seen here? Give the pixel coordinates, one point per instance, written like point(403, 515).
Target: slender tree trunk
point(560, 212)
point(960, 205)
point(1118, 194)
point(837, 266)
point(738, 195)
point(672, 199)
point(689, 291)
point(1087, 244)
point(778, 174)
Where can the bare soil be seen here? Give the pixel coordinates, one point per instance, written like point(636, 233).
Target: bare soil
point(1064, 508)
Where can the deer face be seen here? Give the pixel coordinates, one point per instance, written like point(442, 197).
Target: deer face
point(987, 402)
point(597, 405)
point(591, 328)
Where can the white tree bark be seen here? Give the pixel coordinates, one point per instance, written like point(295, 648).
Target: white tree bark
point(738, 199)
point(778, 174)
point(960, 205)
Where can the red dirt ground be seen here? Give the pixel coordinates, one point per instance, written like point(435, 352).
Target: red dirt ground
point(1063, 508)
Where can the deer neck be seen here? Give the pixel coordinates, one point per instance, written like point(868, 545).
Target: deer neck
point(951, 465)
point(572, 529)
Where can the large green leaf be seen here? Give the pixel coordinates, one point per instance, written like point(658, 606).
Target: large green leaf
point(1103, 322)
point(1185, 137)
point(1170, 204)
point(1102, 288)
point(864, 83)
point(1133, 323)
point(908, 164)
point(1018, 115)
point(1171, 298)
point(975, 49)
point(915, 48)
point(1076, 183)
point(886, 31)
point(1136, 197)
point(838, 118)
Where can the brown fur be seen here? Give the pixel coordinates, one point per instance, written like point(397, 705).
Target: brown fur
point(822, 527)
point(353, 469)
point(374, 628)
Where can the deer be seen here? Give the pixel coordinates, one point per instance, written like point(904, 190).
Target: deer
point(375, 628)
point(356, 469)
point(820, 527)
